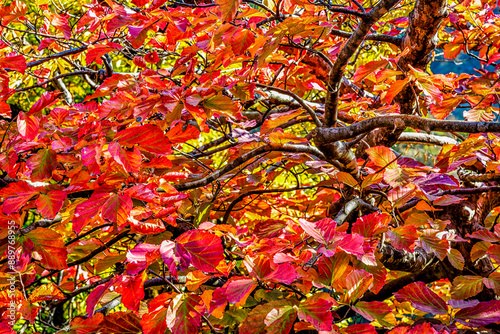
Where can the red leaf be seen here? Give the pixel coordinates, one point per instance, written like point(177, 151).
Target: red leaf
point(88, 209)
point(432, 244)
point(403, 237)
point(132, 290)
point(96, 51)
point(16, 195)
point(150, 226)
point(117, 208)
point(228, 9)
point(371, 225)
point(16, 63)
point(48, 248)
point(464, 287)
point(316, 311)
point(396, 87)
point(364, 70)
point(204, 249)
point(45, 292)
point(254, 322)
point(430, 90)
point(81, 325)
point(61, 23)
point(42, 164)
point(46, 100)
point(372, 310)
point(481, 315)
point(312, 231)
point(485, 235)
point(5, 110)
point(284, 273)
point(180, 134)
point(493, 282)
point(184, 316)
point(239, 288)
point(141, 257)
point(241, 41)
point(152, 57)
point(154, 321)
point(280, 320)
point(360, 329)
point(443, 109)
point(357, 283)
point(422, 298)
point(121, 322)
point(95, 295)
point(149, 137)
point(129, 160)
point(49, 204)
point(27, 126)
point(13, 11)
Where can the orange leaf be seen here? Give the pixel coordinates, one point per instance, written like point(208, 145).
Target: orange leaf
point(395, 88)
point(241, 41)
point(364, 70)
point(228, 9)
point(382, 157)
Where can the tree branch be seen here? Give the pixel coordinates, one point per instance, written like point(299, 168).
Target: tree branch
point(58, 55)
point(350, 207)
point(245, 158)
point(296, 98)
point(256, 192)
point(394, 259)
point(327, 135)
point(345, 54)
point(425, 139)
point(397, 41)
point(64, 75)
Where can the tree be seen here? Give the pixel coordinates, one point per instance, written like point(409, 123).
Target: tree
point(242, 167)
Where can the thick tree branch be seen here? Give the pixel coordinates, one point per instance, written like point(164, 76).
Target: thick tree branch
point(350, 207)
point(425, 139)
point(419, 41)
point(327, 135)
point(394, 259)
point(345, 54)
point(489, 177)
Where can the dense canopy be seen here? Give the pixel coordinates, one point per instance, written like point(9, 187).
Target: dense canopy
point(238, 166)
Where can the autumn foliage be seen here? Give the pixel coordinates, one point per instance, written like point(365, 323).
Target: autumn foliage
point(239, 166)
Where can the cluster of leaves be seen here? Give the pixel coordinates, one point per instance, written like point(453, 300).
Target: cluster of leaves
point(164, 170)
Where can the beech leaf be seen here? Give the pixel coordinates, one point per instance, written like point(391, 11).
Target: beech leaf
point(422, 298)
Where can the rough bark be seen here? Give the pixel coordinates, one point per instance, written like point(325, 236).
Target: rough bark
point(419, 41)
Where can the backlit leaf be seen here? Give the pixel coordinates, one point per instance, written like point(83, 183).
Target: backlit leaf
point(467, 286)
point(357, 283)
point(204, 249)
point(422, 298)
point(316, 311)
point(49, 203)
point(48, 248)
point(42, 164)
point(483, 314)
point(382, 157)
point(227, 9)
